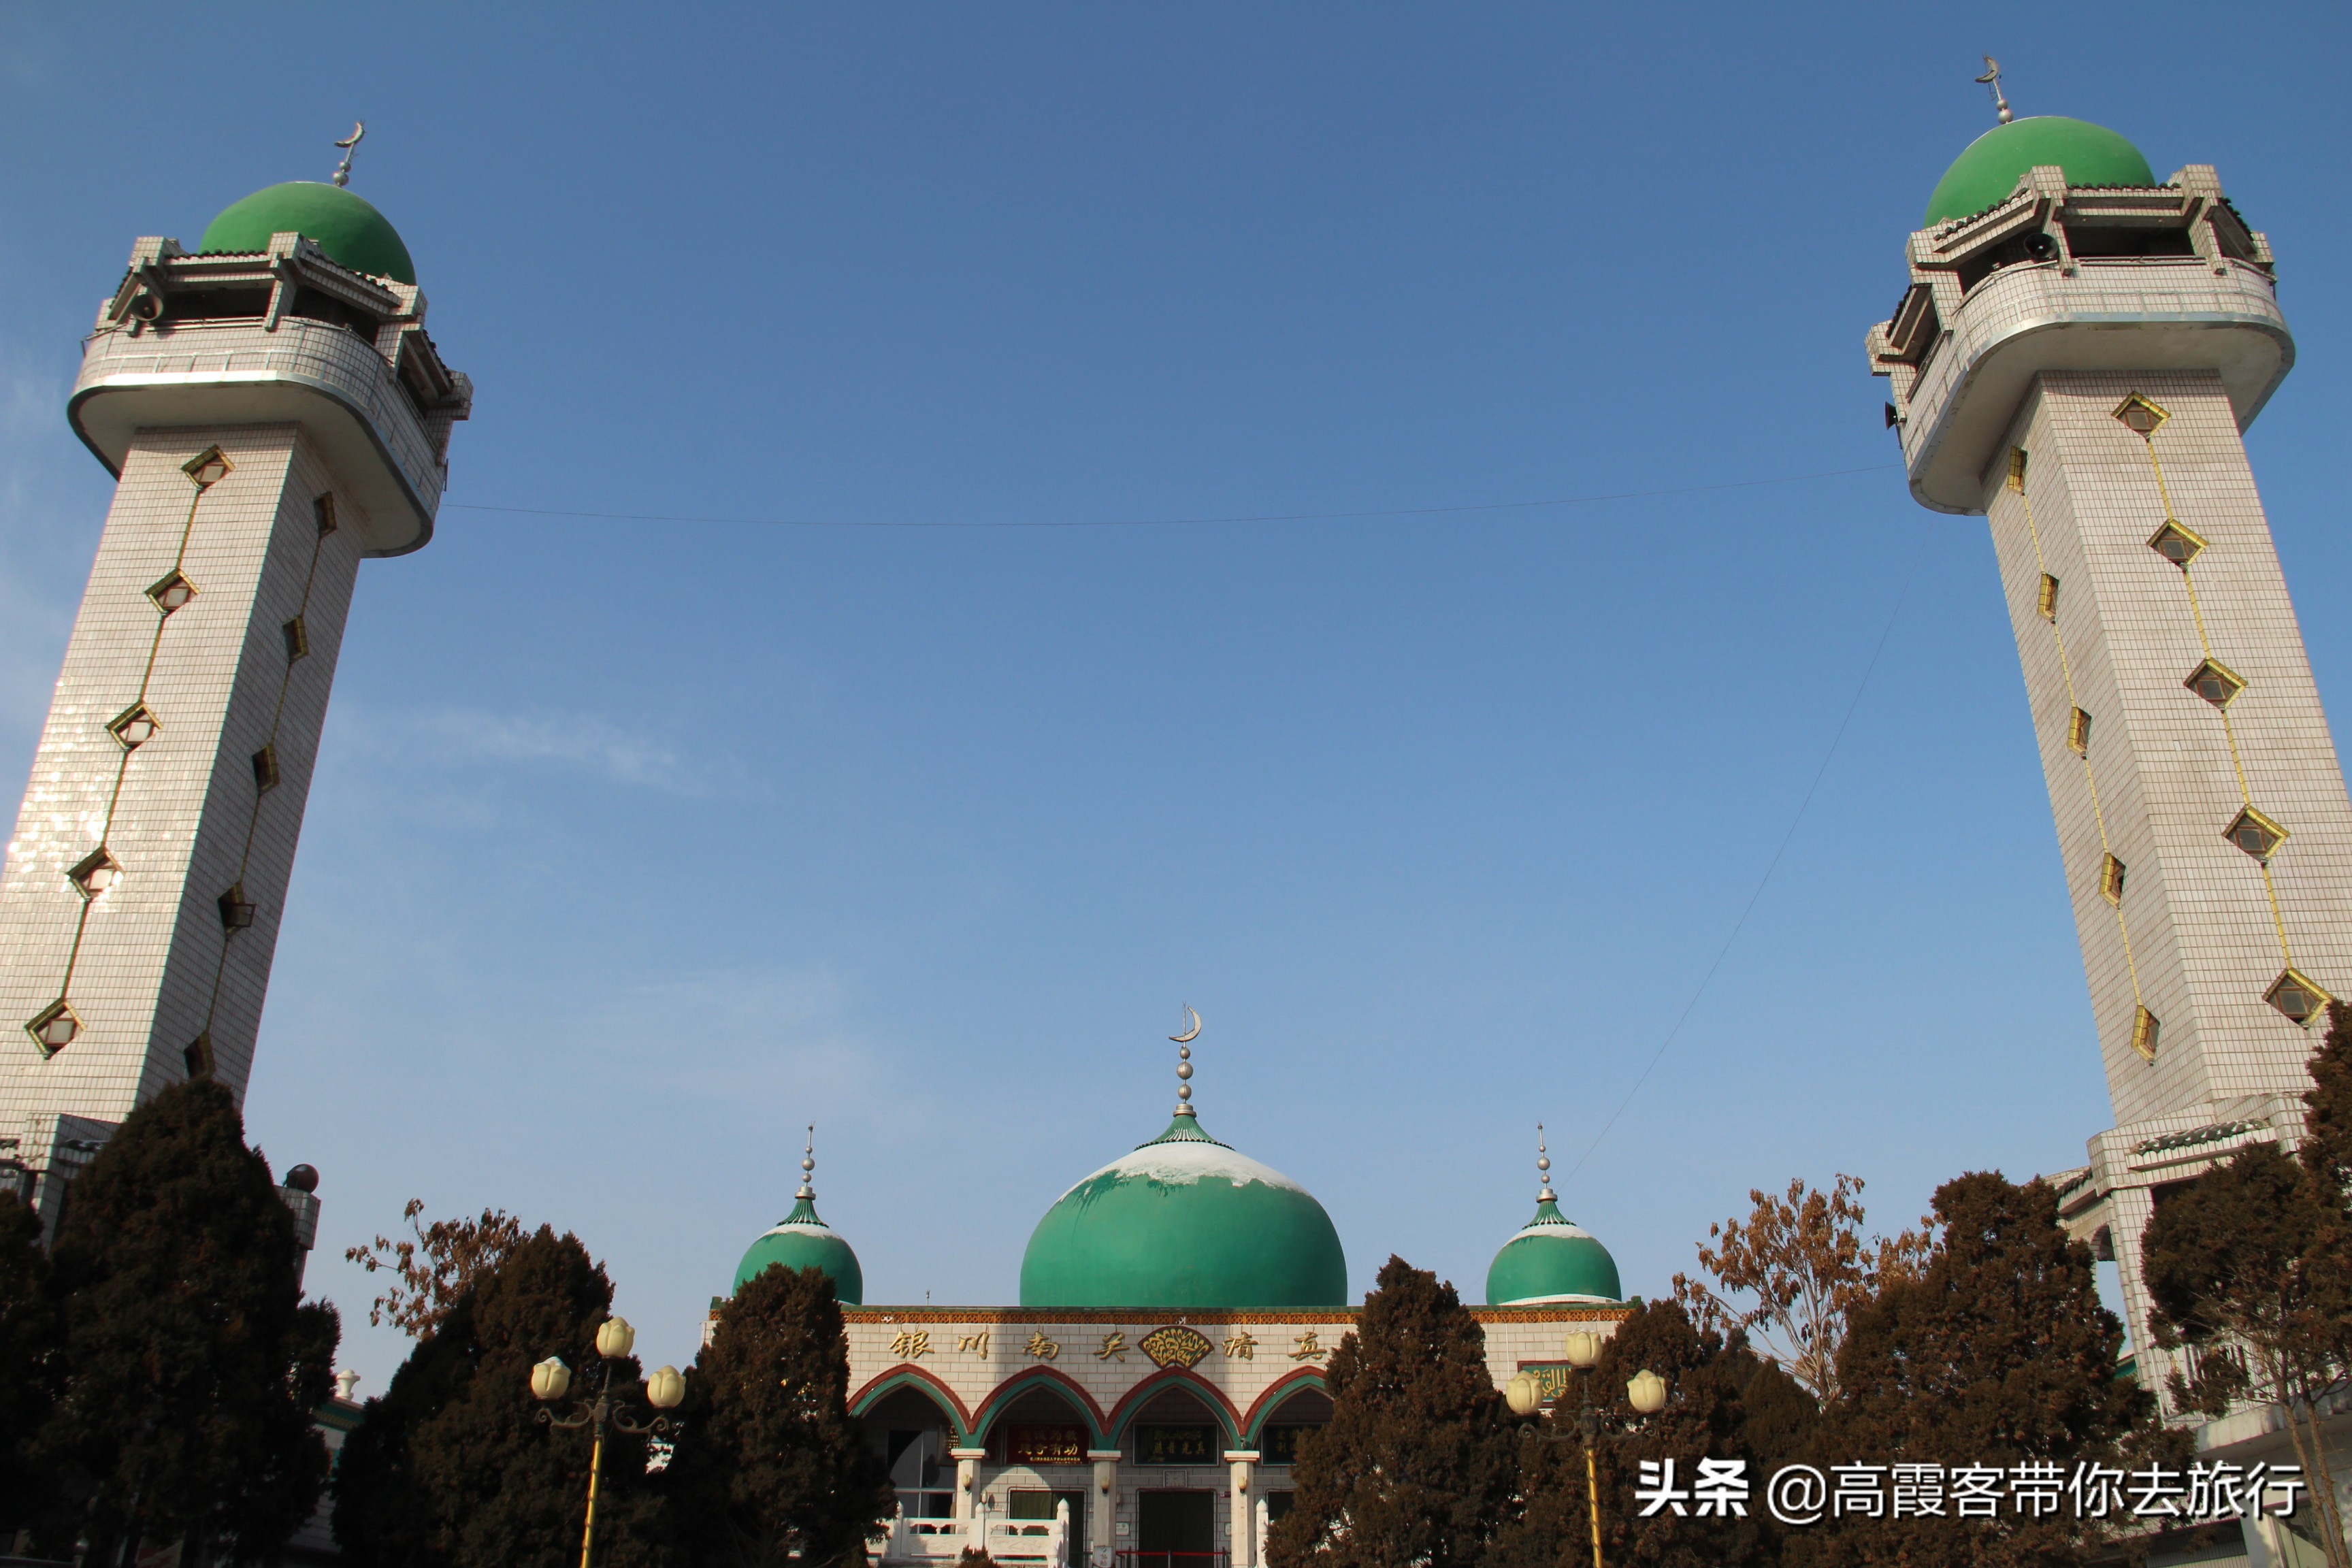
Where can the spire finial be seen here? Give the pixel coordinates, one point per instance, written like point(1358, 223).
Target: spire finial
point(808, 1166)
point(1184, 1062)
point(1991, 78)
point(1543, 1168)
point(350, 144)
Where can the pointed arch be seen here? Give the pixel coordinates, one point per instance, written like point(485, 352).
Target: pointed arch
point(1014, 1387)
point(907, 1374)
point(1114, 1424)
point(1266, 1403)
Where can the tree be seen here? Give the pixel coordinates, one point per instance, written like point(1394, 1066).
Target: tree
point(1800, 1265)
point(434, 1268)
point(1418, 1464)
point(193, 1362)
point(451, 1467)
point(2327, 1125)
point(774, 1470)
point(2246, 1268)
point(30, 1367)
point(1996, 1352)
point(1706, 1417)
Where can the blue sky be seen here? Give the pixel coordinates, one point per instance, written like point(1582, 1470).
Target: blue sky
point(635, 845)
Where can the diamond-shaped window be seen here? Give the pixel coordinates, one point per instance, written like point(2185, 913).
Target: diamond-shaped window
point(265, 769)
point(2216, 682)
point(208, 467)
point(53, 1028)
point(2294, 994)
point(2175, 541)
point(235, 909)
point(2047, 601)
point(324, 506)
point(2140, 415)
point(2255, 834)
point(2145, 1030)
point(198, 1057)
point(134, 727)
point(2078, 733)
point(96, 872)
point(2111, 879)
point(172, 593)
point(297, 639)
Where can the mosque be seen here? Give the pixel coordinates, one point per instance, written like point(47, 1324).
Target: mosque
point(1178, 1310)
point(2077, 352)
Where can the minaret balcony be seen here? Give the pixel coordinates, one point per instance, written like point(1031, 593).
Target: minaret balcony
point(2134, 312)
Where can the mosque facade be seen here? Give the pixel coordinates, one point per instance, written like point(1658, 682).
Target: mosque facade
point(1142, 1407)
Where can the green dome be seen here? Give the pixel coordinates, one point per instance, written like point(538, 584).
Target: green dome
point(1552, 1260)
point(801, 1240)
point(1185, 1221)
point(1985, 174)
point(346, 228)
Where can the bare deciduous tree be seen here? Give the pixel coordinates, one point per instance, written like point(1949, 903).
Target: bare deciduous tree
point(435, 1267)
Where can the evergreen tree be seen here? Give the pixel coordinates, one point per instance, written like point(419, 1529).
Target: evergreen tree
point(452, 1466)
point(2327, 1125)
point(193, 1362)
point(1996, 1353)
point(30, 1368)
point(1706, 1417)
point(772, 1468)
point(1419, 1463)
point(2249, 1258)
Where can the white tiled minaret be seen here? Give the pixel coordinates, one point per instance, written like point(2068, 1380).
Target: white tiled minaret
point(2077, 362)
point(273, 416)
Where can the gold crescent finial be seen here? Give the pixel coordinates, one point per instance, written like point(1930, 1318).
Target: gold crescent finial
point(350, 144)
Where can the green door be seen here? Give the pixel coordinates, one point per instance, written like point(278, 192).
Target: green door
point(1175, 1530)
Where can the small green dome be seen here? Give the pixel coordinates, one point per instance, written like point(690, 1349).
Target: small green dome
point(1552, 1260)
point(1988, 171)
point(1185, 1221)
point(347, 228)
point(801, 1240)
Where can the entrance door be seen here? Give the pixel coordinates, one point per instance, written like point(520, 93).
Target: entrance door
point(1175, 1530)
point(1026, 1506)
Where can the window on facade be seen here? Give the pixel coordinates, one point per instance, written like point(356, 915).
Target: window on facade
point(2294, 994)
point(96, 872)
point(197, 1056)
point(172, 593)
point(53, 1028)
point(2255, 834)
point(2215, 682)
point(2144, 1032)
point(265, 769)
point(2047, 601)
point(133, 727)
point(2140, 417)
point(2078, 733)
point(2111, 879)
point(208, 467)
point(2017, 468)
point(921, 1472)
point(324, 506)
point(235, 909)
point(297, 639)
point(2175, 543)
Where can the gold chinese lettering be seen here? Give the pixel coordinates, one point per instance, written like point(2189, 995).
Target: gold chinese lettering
point(913, 1344)
point(1241, 1345)
point(976, 1344)
point(1310, 1348)
point(1113, 1348)
point(1043, 1348)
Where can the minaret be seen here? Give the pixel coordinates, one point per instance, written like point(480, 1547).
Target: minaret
point(273, 413)
point(2076, 356)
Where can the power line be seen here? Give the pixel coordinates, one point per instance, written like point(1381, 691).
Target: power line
point(1186, 521)
point(1737, 926)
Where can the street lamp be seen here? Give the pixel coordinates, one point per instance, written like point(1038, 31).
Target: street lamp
point(1646, 1392)
point(550, 1380)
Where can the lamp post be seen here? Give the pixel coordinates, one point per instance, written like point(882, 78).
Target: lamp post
point(550, 1380)
point(1646, 1394)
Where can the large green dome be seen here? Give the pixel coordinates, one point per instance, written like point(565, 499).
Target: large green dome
point(1185, 1221)
point(347, 228)
point(801, 1240)
point(1988, 171)
point(1552, 1258)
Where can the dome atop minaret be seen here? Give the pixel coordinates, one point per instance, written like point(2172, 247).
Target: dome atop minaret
point(1185, 1222)
point(1988, 169)
point(1552, 1258)
point(801, 1240)
point(347, 227)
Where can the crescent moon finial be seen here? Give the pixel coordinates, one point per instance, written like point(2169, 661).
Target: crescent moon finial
point(1184, 1062)
point(350, 144)
point(1191, 1034)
